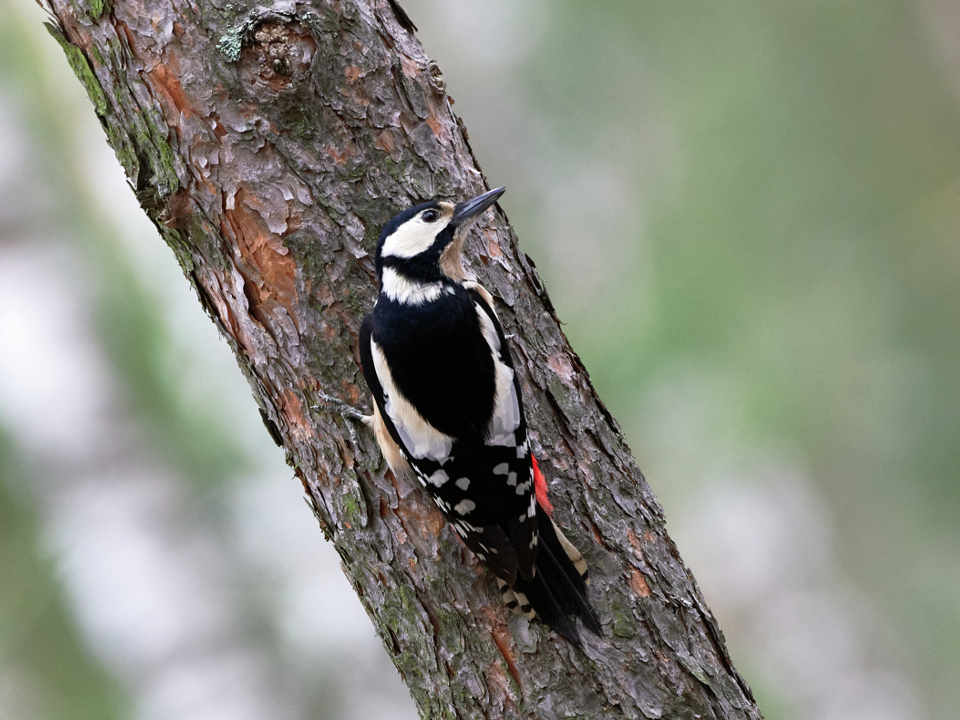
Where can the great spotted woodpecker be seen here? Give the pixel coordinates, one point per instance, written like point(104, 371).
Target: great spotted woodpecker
point(447, 405)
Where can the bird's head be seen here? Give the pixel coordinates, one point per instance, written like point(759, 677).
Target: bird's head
point(424, 243)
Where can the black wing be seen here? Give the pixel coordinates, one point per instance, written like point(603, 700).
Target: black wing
point(483, 480)
point(515, 484)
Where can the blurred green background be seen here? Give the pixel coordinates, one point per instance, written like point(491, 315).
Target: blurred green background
point(748, 216)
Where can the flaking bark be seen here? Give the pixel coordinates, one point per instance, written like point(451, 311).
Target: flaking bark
point(269, 143)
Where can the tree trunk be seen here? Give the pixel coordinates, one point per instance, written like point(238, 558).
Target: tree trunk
point(269, 143)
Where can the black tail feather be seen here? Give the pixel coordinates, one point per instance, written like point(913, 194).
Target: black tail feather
point(558, 591)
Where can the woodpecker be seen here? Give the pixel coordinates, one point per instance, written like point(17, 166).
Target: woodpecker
point(448, 409)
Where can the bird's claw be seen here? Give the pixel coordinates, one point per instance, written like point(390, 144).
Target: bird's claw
point(345, 410)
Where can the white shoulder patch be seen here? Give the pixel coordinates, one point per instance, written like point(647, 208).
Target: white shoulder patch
point(409, 292)
point(394, 457)
point(506, 404)
point(420, 438)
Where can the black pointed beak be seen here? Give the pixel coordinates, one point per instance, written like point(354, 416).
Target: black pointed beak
point(469, 210)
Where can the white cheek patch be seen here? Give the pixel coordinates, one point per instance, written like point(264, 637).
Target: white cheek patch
point(412, 238)
point(409, 292)
point(506, 404)
point(420, 438)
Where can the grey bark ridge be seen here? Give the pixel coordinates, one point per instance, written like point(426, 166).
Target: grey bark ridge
point(269, 143)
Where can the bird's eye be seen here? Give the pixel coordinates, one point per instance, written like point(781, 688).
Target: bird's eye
point(430, 216)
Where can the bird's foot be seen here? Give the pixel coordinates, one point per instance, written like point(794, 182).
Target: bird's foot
point(346, 411)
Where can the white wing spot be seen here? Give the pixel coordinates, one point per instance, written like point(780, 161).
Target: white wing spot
point(512, 481)
point(523, 488)
point(464, 506)
point(438, 478)
point(501, 469)
point(522, 450)
point(463, 483)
